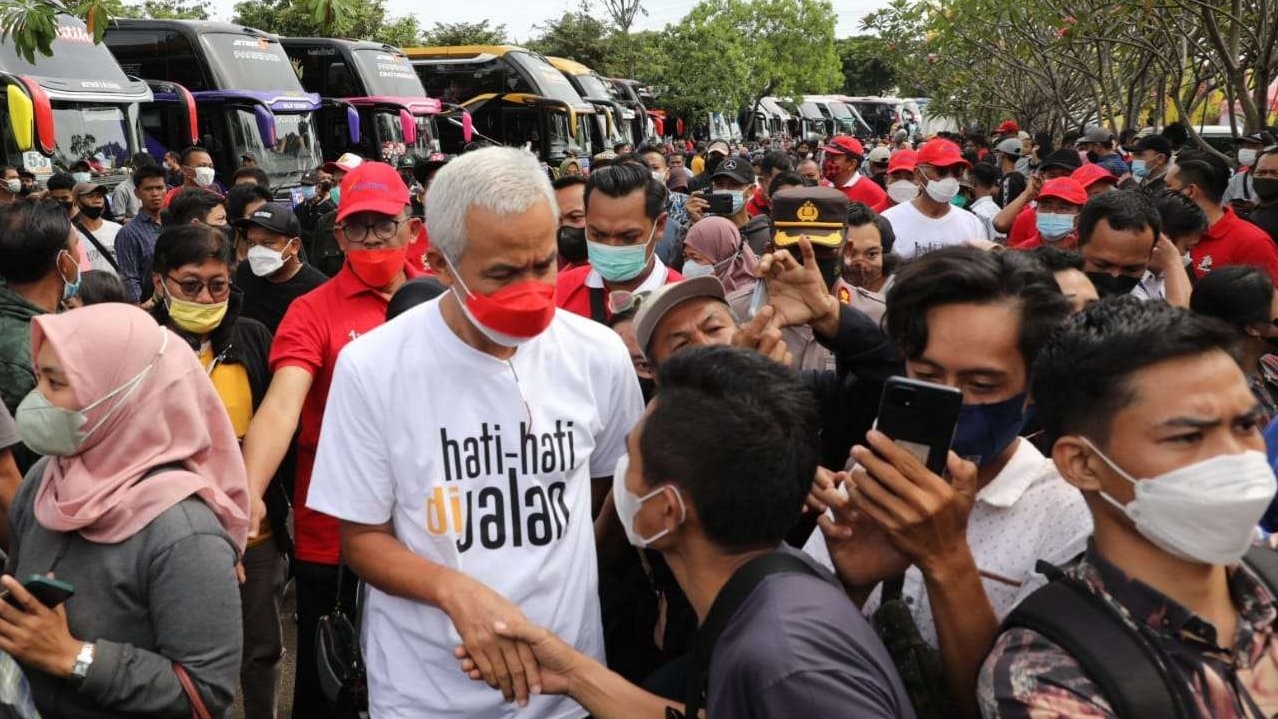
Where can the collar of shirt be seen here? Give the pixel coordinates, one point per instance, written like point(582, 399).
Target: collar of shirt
point(656, 278)
point(856, 177)
point(144, 216)
point(348, 285)
point(1026, 465)
point(1141, 602)
point(1226, 224)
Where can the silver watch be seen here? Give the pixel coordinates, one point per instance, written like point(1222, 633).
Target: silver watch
point(83, 661)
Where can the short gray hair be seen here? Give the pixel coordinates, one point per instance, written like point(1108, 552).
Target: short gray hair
point(503, 180)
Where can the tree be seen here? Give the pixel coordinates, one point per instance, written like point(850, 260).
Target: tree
point(865, 71)
point(160, 9)
point(363, 20)
point(465, 33)
point(623, 14)
point(577, 36)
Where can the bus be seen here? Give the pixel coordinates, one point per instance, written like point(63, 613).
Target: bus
point(635, 96)
point(76, 105)
point(515, 97)
point(247, 96)
point(613, 123)
point(880, 113)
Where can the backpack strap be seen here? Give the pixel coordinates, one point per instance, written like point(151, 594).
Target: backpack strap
point(1126, 668)
point(725, 606)
point(1263, 561)
point(106, 254)
point(598, 312)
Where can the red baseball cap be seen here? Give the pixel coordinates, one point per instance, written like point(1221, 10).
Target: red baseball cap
point(939, 152)
point(902, 161)
point(372, 187)
point(1064, 188)
point(347, 162)
point(844, 145)
point(1091, 173)
point(1008, 126)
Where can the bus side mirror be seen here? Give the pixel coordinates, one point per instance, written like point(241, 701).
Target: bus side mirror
point(265, 124)
point(352, 124)
point(21, 117)
point(409, 126)
point(468, 126)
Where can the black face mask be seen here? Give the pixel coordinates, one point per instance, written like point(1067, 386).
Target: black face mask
point(91, 212)
point(1273, 342)
point(649, 389)
point(1108, 285)
point(830, 270)
point(1093, 157)
point(572, 243)
point(1266, 188)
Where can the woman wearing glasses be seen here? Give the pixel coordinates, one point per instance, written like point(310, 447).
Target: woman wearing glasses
point(194, 298)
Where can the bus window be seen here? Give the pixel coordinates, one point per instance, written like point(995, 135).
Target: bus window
point(458, 82)
point(98, 134)
point(158, 55)
point(322, 70)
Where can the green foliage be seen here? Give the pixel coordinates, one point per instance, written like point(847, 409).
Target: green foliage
point(575, 35)
point(865, 71)
point(30, 25)
point(465, 33)
point(353, 19)
point(158, 9)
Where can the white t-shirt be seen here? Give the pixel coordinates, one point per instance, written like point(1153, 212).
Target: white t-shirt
point(985, 208)
point(918, 234)
point(424, 431)
point(106, 235)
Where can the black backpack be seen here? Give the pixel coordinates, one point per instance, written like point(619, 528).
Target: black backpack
point(1128, 670)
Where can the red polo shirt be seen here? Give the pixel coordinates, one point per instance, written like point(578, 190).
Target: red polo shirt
point(572, 288)
point(1023, 227)
point(314, 329)
point(866, 191)
point(1234, 241)
point(756, 206)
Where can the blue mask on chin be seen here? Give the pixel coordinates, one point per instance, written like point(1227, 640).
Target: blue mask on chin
point(985, 430)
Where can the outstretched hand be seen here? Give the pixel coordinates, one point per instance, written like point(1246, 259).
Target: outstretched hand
point(763, 334)
point(557, 660)
point(798, 291)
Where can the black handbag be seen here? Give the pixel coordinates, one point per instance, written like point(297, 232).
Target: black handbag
point(341, 666)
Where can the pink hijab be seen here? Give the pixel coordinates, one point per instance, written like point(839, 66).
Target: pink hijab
point(719, 240)
point(173, 416)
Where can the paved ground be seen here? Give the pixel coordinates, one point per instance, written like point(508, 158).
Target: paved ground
point(290, 659)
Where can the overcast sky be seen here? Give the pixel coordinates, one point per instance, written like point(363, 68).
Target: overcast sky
point(519, 16)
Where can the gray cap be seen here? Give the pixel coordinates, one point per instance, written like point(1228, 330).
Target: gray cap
point(1010, 146)
point(1095, 134)
point(880, 155)
point(666, 298)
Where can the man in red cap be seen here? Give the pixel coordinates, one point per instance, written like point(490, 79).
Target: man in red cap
point(901, 186)
point(1056, 221)
point(1095, 179)
point(843, 157)
point(1009, 128)
point(374, 228)
point(929, 221)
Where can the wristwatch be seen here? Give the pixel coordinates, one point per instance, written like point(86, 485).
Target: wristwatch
point(83, 661)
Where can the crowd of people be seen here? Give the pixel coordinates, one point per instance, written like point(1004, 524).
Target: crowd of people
point(607, 443)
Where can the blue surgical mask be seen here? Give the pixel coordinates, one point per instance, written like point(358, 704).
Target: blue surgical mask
point(738, 201)
point(619, 264)
point(1140, 170)
point(692, 268)
point(308, 191)
point(1054, 226)
point(985, 430)
point(70, 288)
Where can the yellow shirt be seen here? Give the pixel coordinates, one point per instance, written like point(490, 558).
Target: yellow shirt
point(232, 384)
point(698, 164)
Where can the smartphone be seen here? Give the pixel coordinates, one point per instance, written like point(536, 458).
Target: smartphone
point(50, 592)
point(921, 416)
point(720, 203)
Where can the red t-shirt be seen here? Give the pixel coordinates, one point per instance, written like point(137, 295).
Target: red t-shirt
point(868, 193)
point(1234, 241)
point(1023, 227)
point(168, 196)
point(417, 250)
point(572, 294)
point(756, 206)
point(314, 329)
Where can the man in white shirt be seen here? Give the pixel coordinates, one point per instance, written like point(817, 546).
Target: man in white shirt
point(968, 544)
point(985, 184)
point(459, 449)
point(929, 222)
point(97, 236)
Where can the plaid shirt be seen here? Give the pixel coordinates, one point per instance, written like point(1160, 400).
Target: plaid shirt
point(1028, 677)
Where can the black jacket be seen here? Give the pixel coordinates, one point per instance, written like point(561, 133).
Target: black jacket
point(247, 342)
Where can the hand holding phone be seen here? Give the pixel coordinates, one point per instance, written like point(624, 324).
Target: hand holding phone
point(48, 591)
point(922, 417)
point(719, 203)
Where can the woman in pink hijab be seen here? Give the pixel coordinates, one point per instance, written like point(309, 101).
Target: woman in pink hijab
point(141, 505)
point(714, 247)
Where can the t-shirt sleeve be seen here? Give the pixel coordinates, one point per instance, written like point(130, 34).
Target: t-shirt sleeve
point(623, 405)
point(829, 694)
point(352, 476)
point(300, 340)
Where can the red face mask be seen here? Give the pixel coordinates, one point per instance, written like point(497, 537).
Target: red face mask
point(376, 268)
point(512, 315)
point(830, 170)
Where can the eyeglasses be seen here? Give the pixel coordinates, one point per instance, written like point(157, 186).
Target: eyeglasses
point(384, 229)
point(624, 301)
point(193, 288)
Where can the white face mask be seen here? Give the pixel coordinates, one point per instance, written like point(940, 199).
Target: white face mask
point(943, 190)
point(264, 261)
point(1204, 512)
point(204, 176)
point(81, 176)
point(13, 186)
point(628, 504)
point(1246, 156)
point(902, 191)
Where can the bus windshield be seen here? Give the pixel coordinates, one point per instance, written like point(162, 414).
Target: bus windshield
point(548, 81)
point(388, 74)
point(99, 134)
point(84, 66)
point(295, 152)
point(592, 87)
point(390, 134)
point(244, 62)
